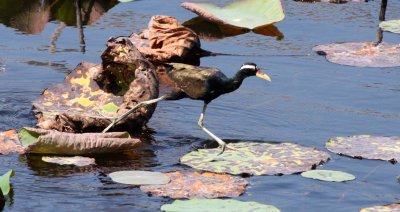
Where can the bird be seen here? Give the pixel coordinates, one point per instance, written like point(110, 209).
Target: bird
point(201, 83)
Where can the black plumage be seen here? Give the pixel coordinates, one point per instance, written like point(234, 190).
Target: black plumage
point(204, 83)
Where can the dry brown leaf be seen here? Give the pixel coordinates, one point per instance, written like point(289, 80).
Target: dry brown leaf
point(367, 146)
point(92, 95)
point(169, 41)
point(9, 143)
point(62, 143)
point(198, 185)
point(361, 54)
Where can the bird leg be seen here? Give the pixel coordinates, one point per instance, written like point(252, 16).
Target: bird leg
point(141, 104)
point(218, 140)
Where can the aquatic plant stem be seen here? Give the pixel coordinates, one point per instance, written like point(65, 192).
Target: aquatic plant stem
point(141, 104)
point(382, 15)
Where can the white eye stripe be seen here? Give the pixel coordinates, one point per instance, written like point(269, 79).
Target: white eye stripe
point(248, 66)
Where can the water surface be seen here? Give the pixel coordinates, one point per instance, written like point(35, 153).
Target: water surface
point(308, 101)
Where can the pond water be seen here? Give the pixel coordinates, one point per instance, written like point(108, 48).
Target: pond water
point(308, 101)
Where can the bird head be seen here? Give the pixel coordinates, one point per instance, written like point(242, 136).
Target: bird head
point(251, 69)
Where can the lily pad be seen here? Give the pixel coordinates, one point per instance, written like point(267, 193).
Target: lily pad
point(61, 143)
point(390, 26)
point(361, 54)
point(217, 205)
point(247, 14)
point(383, 208)
point(257, 158)
point(328, 175)
point(77, 160)
point(92, 95)
point(330, 1)
point(9, 143)
point(5, 182)
point(367, 146)
point(139, 177)
point(198, 185)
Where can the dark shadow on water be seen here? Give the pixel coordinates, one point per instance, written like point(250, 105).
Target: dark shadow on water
point(7, 200)
point(31, 16)
point(212, 32)
point(51, 170)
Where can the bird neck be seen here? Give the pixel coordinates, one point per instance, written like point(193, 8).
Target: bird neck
point(236, 81)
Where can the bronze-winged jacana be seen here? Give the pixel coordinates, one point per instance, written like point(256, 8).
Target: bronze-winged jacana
point(201, 83)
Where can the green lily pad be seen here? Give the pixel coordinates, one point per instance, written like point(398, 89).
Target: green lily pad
point(361, 54)
point(28, 137)
point(77, 160)
point(366, 146)
point(383, 208)
point(390, 26)
point(328, 175)
point(247, 14)
point(139, 177)
point(217, 205)
point(5, 182)
point(257, 158)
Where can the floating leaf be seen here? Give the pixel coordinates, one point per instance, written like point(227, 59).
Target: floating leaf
point(257, 158)
point(366, 146)
point(330, 1)
point(9, 143)
point(328, 175)
point(92, 95)
point(363, 54)
point(241, 14)
point(61, 143)
point(28, 137)
point(383, 208)
point(77, 160)
point(198, 185)
point(5, 182)
point(217, 205)
point(390, 26)
point(139, 177)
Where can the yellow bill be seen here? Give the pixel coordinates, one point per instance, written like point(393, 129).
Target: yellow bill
point(263, 76)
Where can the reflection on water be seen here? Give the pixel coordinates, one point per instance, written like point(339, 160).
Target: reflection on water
point(31, 16)
point(309, 101)
point(212, 31)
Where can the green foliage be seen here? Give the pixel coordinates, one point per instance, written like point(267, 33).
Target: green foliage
point(390, 26)
point(203, 205)
point(245, 13)
point(28, 137)
point(139, 177)
point(110, 108)
point(5, 182)
point(328, 175)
